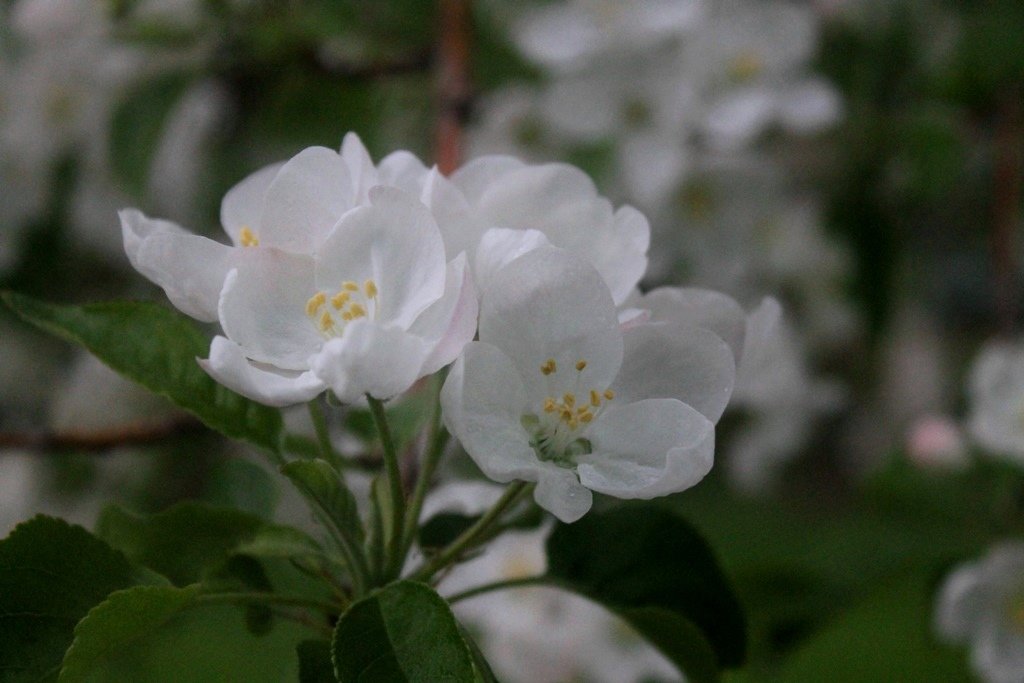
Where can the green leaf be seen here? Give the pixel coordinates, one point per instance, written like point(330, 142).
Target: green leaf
point(678, 638)
point(404, 632)
point(280, 541)
point(137, 125)
point(642, 556)
point(184, 543)
point(157, 348)
point(483, 668)
point(315, 662)
point(885, 639)
point(322, 484)
point(168, 635)
point(51, 575)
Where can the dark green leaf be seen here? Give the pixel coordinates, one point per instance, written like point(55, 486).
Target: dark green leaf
point(280, 541)
point(169, 635)
point(404, 632)
point(137, 126)
point(483, 668)
point(642, 556)
point(322, 484)
point(678, 638)
point(184, 543)
point(51, 575)
point(157, 348)
point(315, 662)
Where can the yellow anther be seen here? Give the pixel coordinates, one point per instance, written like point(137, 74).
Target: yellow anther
point(569, 400)
point(347, 316)
point(340, 299)
point(550, 405)
point(350, 286)
point(314, 303)
point(580, 365)
point(548, 366)
point(357, 311)
point(326, 321)
point(370, 287)
point(586, 418)
point(247, 237)
point(573, 423)
point(746, 66)
point(595, 398)
point(609, 394)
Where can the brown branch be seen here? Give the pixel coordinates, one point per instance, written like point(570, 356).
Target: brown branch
point(1006, 183)
point(453, 82)
point(138, 434)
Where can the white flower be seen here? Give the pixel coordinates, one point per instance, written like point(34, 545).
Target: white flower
point(375, 308)
point(497, 207)
point(996, 394)
point(556, 393)
point(291, 206)
point(567, 34)
point(981, 604)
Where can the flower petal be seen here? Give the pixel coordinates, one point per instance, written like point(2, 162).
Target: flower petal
point(450, 322)
point(684, 362)
point(305, 200)
point(700, 307)
point(477, 176)
point(263, 307)
point(360, 167)
point(396, 242)
point(460, 226)
point(483, 401)
point(190, 269)
point(550, 304)
point(647, 449)
point(499, 247)
point(370, 359)
point(228, 365)
point(403, 170)
point(560, 492)
point(242, 206)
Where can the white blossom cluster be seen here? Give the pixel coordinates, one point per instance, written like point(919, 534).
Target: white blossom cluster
point(63, 69)
point(362, 278)
point(678, 97)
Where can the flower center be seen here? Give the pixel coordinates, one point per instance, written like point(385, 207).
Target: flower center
point(330, 313)
point(247, 237)
point(558, 429)
point(745, 67)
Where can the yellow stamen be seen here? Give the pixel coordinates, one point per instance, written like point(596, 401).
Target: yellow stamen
point(548, 367)
point(595, 398)
point(326, 321)
point(609, 394)
point(580, 364)
point(314, 303)
point(247, 237)
point(340, 299)
point(370, 287)
point(549, 405)
point(569, 400)
point(350, 286)
point(357, 311)
point(586, 418)
point(346, 316)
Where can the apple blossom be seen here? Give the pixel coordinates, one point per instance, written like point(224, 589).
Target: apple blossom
point(556, 393)
point(981, 604)
point(497, 207)
point(375, 308)
point(291, 206)
point(996, 393)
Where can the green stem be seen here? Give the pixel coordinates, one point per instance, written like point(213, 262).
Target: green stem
point(540, 579)
point(436, 442)
point(394, 475)
point(323, 435)
point(469, 538)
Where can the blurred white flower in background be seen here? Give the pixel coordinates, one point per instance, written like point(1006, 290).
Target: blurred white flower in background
point(538, 633)
point(981, 605)
point(996, 394)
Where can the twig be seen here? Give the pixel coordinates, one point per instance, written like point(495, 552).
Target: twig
point(453, 82)
point(99, 441)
